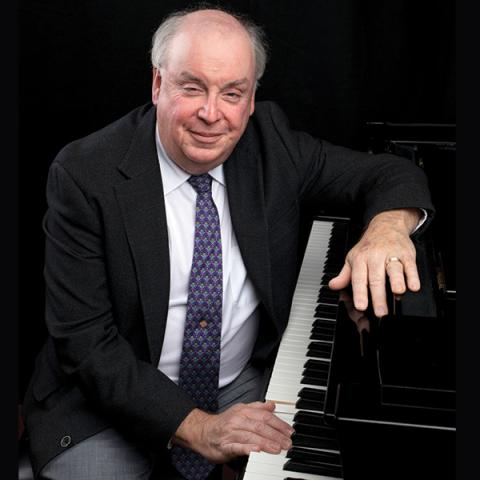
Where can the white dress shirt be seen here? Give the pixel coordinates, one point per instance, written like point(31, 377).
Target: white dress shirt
point(240, 300)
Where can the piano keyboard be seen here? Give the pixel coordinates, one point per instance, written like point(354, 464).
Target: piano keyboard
point(298, 383)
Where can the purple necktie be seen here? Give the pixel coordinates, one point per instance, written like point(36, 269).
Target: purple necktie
point(200, 360)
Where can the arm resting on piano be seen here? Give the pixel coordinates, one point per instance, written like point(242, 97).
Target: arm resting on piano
point(384, 250)
point(239, 430)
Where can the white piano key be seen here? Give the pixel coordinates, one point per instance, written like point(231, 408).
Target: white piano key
point(262, 463)
point(284, 385)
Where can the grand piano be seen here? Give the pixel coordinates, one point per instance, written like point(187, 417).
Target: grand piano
point(372, 398)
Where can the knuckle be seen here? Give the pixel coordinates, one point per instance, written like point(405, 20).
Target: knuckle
point(258, 427)
point(375, 280)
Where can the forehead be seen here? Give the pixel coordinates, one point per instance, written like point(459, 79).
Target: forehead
point(212, 46)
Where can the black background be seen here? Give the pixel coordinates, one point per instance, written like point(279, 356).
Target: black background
point(334, 65)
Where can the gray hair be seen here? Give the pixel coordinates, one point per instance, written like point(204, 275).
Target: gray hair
point(170, 25)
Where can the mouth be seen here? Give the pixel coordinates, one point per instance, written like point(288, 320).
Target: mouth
point(206, 137)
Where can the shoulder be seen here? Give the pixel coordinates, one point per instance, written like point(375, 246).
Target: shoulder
point(101, 151)
point(269, 113)
point(272, 129)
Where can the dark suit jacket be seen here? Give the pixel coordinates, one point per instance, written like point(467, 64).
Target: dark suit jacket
point(107, 264)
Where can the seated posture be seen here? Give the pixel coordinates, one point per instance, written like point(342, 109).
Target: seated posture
point(170, 263)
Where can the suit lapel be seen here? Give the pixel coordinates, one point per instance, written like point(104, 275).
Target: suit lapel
point(141, 202)
point(247, 209)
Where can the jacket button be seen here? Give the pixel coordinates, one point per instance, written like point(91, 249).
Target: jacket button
point(65, 441)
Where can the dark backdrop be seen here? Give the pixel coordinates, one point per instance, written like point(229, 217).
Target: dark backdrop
point(334, 64)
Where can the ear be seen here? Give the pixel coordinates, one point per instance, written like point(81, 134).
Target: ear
point(252, 103)
point(156, 81)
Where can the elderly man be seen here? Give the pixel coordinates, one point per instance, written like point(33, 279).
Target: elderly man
point(171, 240)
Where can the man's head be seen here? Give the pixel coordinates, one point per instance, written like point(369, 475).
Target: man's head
point(206, 66)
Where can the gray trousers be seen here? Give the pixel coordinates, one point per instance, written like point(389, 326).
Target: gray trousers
point(109, 456)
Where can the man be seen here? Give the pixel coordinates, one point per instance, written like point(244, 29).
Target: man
point(109, 397)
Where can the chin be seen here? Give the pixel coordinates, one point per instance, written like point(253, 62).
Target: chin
point(206, 157)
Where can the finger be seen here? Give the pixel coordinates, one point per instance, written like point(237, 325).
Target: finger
point(248, 438)
point(233, 450)
point(268, 432)
point(267, 405)
point(396, 277)
point(263, 412)
point(281, 427)
point(360, 285)
point(342, 280)
point(411, 273)
point(376, 284)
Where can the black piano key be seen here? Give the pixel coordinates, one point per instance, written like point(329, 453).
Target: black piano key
point(312, 364)
point(327, 299)
point(324, 337)
point(321, 336)
point(326, 325)
point(334, 262)
point(330, 330)
point(326, 308)
point(321, 456)
point(312, 393)
point(312, 441)
point(317, 374)
point(326, 277)
point(304, 404)
point(334, 267)
point(317, 431)
point(334, 256)
point(306, 380)
point(329, 315)
point(312, 418)
point(319, 350)
point(326, 293)
point(314, 468)
point(325, 329)
point(320, 380)
point(322, 322)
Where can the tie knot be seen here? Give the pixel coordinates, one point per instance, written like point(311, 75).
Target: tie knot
point(201, 183)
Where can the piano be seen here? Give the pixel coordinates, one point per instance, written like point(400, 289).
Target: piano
point(367, 398)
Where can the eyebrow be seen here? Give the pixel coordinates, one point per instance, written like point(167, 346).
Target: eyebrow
point(189, 77)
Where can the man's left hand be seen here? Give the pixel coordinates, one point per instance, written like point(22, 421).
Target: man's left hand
point(384, 250)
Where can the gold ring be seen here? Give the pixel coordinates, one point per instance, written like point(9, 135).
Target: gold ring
point(391, 259)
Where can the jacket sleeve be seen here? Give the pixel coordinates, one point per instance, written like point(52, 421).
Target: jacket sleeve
point(331, 175)
point(132, 393)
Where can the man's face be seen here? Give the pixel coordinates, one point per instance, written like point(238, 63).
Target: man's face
point(204, 95)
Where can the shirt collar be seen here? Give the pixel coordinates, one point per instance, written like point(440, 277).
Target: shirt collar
point(172, 175)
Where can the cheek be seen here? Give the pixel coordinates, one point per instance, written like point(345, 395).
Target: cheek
point(181, 114)
point(239, 119)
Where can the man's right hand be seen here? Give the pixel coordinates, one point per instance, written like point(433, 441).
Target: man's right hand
point(243, 428)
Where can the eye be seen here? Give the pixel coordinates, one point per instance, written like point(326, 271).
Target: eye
point(232, 96)
point(191, 89)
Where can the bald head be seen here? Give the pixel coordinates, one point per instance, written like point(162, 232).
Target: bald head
point(218, 25)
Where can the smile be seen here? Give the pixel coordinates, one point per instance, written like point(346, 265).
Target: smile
point(205, 137)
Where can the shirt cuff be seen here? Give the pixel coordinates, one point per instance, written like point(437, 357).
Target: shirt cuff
point(421, 221)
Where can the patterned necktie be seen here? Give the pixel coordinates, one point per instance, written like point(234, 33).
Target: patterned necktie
point(200, 360)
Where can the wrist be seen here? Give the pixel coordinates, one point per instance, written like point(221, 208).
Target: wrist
point(191, 431)
point(405, 219)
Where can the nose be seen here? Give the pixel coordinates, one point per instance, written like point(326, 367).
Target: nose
point(209, 111)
